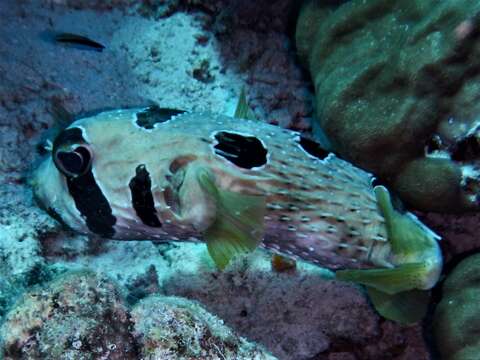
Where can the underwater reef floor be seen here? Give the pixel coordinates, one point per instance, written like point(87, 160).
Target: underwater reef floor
point(192, 55)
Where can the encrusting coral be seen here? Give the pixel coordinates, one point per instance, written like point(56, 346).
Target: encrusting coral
point(82, 315)
point(405, 106)
point(173, 328)
point(78, 315)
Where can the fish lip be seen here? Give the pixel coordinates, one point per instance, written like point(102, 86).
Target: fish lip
point(39, 198)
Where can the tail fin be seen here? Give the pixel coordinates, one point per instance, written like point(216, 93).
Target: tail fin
point(406, 234)
point(397, 292)
point(411, 240)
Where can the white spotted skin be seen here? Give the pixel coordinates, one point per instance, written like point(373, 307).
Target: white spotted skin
point(322, 211)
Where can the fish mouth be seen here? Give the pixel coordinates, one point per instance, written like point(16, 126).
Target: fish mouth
point(39, 192)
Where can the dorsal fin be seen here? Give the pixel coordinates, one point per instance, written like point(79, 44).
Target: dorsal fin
point(242, 110)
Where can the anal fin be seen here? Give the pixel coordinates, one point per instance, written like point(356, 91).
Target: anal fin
point(405, 307)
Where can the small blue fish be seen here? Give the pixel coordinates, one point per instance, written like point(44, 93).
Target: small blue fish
point(72, 40)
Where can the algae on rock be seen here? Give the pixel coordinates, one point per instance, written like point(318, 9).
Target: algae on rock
point(396, 94)
point(177, 328)
point(82, 315)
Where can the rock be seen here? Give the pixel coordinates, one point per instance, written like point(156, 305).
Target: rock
point(456, 321)
point(21, 261)
point(297, 315)
point(82, 315)
point(176, 328)
point(79, 315)
point(397, 93)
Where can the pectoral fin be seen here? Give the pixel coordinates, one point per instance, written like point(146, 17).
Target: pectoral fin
point(401, 278)
point(405, 307)
point(238, 227)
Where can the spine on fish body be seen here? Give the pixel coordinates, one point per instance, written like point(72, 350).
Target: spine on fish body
point(325, 212)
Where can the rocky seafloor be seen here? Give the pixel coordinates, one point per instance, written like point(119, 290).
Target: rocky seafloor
point(63, 296)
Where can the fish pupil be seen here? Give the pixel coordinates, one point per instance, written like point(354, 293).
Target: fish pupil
point(74, 162)
point(71, 161)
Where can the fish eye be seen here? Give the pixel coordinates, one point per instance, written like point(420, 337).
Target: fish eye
point(75, 162)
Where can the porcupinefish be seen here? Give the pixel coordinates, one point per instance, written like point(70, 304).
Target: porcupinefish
point(150, 173)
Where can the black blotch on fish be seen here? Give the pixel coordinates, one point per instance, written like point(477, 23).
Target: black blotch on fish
point(86, 193)
point(244, 151)
point(81, 42)
point(142, 198)
point(152, 115)
point(92, 204)
point(313, 148)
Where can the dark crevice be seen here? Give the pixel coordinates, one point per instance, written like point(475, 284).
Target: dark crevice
point(142, 198)
point(466, 149)
point(434, 144)
point(244, 151)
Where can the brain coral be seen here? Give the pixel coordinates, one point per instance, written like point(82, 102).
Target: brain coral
point(397, 88)
point(457, 317)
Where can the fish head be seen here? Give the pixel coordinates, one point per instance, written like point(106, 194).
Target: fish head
point(126, 174)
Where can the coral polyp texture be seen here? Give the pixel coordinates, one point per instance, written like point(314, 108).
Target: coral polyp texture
point(457, 317)
point(76, 316)
point(405, 106)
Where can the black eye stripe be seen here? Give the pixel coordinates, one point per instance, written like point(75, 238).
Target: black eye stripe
point(142, 198)
point(70, 153)
point(92, 204)
point(68, 136)
point(87, 195)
